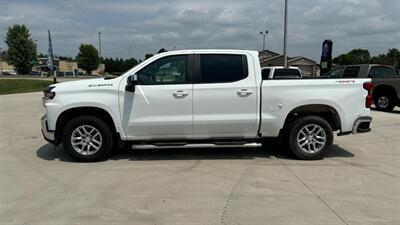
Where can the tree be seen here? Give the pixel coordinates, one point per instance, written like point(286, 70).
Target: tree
point(355, 56)
point(65, 58)
point(41, 55)
point(21, 51)
point(3, 56)
point(148, 55)
point(161, 50)
point(392, 58)
point(130, 63)
point(88, 58)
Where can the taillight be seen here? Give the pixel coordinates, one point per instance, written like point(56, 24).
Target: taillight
point(368, 100)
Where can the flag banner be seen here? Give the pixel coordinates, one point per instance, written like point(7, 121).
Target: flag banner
point(50, 59)
point(326, 56)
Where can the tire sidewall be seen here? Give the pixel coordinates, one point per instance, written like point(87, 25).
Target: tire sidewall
point(391, 104)
point(101, 126)
point(295, 129)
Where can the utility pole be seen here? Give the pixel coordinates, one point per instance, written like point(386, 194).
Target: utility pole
point(130, 48)
point(264, 34)
point(1, 62)
point(285, 35)
point(100, 46)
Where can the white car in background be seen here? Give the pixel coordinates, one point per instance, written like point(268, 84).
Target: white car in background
point(280, 72)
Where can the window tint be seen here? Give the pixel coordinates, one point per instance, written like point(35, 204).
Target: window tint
point(337, 72)
point(265, 73)
point(167, 70)
point(382, 71)
point(351, 72)
point(287, 73)
point(217, 68)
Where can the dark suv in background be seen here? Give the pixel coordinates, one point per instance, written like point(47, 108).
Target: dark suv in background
point(386, 92)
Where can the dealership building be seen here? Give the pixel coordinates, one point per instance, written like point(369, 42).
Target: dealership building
point(307, 66)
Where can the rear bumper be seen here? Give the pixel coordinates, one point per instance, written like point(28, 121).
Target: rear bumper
point(362, 125)
point(47, 135)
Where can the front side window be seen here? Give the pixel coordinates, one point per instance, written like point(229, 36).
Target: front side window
point(167, 70)
point(382, 71)
point(351, 72)
point(221, 68)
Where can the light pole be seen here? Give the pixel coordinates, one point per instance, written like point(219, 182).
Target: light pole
point(100, 50)
point(285, 35)
point(1, 62)
point(30, 59)
point(264, 34)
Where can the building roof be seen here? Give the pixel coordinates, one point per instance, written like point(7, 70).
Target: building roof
point(301, 58)
point(291, 60)
point(268, 52)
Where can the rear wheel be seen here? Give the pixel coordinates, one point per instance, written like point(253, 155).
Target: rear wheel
point(310, 137)
point(384, 101)
point(87, 139)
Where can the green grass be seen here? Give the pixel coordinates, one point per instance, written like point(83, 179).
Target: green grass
point(13, 86)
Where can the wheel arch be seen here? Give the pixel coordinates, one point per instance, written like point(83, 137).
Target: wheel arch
point(71, 113)
point(327, 112)
point(384, 88)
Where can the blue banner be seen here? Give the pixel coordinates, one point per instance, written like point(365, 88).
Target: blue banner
point(50, 58)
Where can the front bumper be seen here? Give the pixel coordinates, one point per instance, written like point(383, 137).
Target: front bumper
point(362, 125)
point(47, 134)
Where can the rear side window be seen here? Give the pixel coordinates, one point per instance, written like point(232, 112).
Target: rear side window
point(351, 72)
point(222, 68)
point(286, 73)
point(382, 71)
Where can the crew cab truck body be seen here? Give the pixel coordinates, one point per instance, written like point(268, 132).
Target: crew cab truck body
point(202, 96)
point(386, 83)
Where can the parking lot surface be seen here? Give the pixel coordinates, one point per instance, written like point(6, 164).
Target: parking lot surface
point(358, 182)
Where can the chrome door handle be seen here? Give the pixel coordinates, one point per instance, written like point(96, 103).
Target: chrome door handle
point(180, 94)
point(244, 92)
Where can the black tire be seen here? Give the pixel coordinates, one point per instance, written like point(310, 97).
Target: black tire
point(296, 131)
point(384, 101)
point(104, 130)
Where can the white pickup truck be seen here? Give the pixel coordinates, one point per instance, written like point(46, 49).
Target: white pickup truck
point(203, 96)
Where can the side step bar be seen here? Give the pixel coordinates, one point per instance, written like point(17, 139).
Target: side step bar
point(188, 145)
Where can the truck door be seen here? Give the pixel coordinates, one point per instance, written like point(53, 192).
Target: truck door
point(161, 106)
point(224, 96)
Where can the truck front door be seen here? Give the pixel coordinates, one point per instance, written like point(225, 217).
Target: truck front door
point(161, 106)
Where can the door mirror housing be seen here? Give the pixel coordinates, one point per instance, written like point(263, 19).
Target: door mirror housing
point(131, 82)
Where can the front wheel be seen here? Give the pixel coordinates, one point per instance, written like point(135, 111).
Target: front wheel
point(310, 137)
point(87, 139)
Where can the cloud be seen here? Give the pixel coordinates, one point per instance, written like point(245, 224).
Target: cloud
point(150, 25)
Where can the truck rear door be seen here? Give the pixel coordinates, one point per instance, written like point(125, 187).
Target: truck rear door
point(224, 96)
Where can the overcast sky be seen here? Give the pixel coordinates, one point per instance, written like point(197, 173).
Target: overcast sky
point(150, 25)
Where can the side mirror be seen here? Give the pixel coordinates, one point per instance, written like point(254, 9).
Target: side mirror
point(131, 82)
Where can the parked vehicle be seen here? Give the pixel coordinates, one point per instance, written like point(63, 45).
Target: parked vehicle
point(203, 96)
point(386, 90)
point(35, 73)
point(9, 72)
point(69, 74)
point(280, 72)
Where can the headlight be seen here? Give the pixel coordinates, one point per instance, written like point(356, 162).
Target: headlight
point(48, 94)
